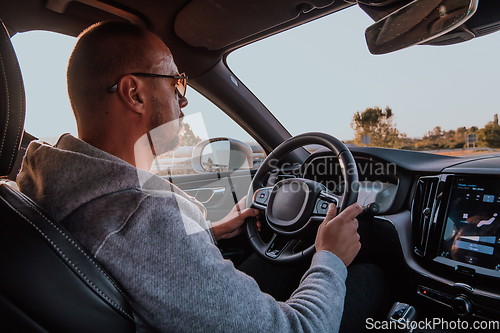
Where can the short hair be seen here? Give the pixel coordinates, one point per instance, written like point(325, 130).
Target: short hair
point(104, 52)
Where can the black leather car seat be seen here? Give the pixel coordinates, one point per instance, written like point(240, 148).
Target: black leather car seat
point(48, 282)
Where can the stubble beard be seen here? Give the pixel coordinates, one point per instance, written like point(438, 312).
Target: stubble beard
point(162, 140)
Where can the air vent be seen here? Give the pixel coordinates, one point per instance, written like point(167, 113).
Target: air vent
point(422, 211)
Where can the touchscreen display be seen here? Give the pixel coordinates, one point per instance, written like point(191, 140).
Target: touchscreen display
point(472, 226)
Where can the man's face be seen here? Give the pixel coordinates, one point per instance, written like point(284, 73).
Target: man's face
point(165, 113)
point(164, 134)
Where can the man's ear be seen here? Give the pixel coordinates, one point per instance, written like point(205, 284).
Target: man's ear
point(131, 91)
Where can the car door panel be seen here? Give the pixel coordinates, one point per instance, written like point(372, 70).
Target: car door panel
point(218, 192)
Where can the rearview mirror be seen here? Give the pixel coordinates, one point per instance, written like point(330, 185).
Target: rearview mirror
point(416, 23)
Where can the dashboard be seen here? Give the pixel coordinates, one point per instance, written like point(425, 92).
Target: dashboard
point(437, 234)
point(378, 182)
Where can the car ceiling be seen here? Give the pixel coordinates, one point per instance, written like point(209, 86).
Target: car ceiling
point(199, 32)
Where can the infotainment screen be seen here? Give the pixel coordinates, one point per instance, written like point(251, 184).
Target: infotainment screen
point(472, 226)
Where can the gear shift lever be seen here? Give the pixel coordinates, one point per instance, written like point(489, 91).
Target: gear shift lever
point(402, 313)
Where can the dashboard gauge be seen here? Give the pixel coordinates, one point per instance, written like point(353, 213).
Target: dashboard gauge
point(377, 180)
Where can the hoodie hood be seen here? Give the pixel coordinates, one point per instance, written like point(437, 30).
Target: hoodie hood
point(65, 176)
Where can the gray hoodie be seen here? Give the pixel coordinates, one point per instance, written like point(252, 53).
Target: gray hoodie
point(152, 238)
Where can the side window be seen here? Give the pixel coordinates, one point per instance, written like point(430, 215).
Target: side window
point(203, 120)
point(43, 58)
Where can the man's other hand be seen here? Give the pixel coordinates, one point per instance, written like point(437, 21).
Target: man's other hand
point(339, 234)
point(232, 224)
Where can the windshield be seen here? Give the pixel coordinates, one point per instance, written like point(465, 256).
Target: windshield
point(321, 77)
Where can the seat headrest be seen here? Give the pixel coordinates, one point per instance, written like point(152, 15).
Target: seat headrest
point(12, 103)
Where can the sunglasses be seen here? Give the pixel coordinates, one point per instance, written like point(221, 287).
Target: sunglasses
point(180, 84)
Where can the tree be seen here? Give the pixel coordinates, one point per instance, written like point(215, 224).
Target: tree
point(439, 139)
point(378, 125)
point(489, 136)
point(435, 139)
point(187, 136)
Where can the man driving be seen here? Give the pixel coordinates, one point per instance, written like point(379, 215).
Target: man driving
point(127, 96)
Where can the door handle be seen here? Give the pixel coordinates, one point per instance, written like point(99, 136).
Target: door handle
point(204, 195)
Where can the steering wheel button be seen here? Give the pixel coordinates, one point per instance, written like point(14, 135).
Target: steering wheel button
point(262, 197)
point(321, 207)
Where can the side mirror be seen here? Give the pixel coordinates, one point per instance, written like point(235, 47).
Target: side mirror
point(221, 155)
point(416, 23)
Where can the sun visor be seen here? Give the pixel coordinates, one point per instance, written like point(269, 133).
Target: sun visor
point(219, 23)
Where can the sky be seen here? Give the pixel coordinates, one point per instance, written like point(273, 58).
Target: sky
point(312, 78)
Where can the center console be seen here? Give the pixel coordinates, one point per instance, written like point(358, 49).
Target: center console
point(471, 228)
point(456, 236)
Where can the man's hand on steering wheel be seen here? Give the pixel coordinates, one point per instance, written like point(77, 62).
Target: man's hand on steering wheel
point(232, 224)
point(339, 234)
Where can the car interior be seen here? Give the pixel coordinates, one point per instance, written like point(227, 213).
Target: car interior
point(430, 221)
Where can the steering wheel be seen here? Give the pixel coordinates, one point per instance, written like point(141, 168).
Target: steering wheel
point(292, 204)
